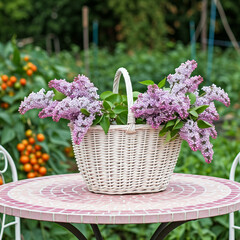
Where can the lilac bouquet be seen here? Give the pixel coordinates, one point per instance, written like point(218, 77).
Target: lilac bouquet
point(80, 105)
point(180, 110)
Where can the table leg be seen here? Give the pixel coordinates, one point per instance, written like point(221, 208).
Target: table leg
point(73, 230)
point(96, 232)
point(78, 234)
point(164, 229)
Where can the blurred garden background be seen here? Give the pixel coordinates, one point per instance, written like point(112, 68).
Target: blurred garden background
point(47, 39)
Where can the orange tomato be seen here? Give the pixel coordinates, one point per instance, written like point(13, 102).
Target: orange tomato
point(27, 167)
point(1, 181)
point(4, 105)
point(29, 72)
point(38, 147)
point(33, 161)
point(45, 156)
point(26, 58)
point(23, 81)
point(28, 133)
point(29, 148)
point(9, 83)
point(31, 140)
point(13, 79)
point(20, 147)
point(42, 171)
point(31, 175)
point(4, 86)
point(36, 167)
point(40, 137)
point(38, 154)
point(25, 142)
point(24, 159)
point(4, 78)
point(40, 161)
point(34, 68)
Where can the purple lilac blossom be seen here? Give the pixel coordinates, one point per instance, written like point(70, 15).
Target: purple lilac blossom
point(156, 106)
point(80, 87)
point(190, 133)
point(81, 93)
point(198, 139)
point(216, 93)
point(81, 126)
point(62, 86)
point(69, 108)
point(193, 83)
point(182, 73)
point(205, 145)
point(36, 100)
point(210, 114)
point(48, 111)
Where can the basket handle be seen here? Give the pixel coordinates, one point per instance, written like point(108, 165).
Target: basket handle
point(124, 72)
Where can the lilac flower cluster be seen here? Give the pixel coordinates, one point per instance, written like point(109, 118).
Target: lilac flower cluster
point(81, 94)
point(159, 106)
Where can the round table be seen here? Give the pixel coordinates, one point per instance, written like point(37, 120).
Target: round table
point(65, 199)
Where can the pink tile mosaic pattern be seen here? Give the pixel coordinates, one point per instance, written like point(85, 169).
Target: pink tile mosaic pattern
point(65, 198)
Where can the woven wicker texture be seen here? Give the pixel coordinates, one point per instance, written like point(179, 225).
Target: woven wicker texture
point(129, 159)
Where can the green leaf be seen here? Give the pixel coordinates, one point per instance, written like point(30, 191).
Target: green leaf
point(140, 121)
point(135, 94)
point(147, 82)
point(85, 112)
point(192, 98)
point(168, 137)
point(8, 134)
point(201, 109)
point(40, 82)
point(59, 141)
point(119, 109)
point(174, 133)
point(203, 124)
point(114, 98)
point(107, 105)
point(170, 123)
point(193, 113)
point(105, 123)
point(106, 94)
point(179, 124)
point(97, 119)
point(124, 98)
point(162, 83)
point(8, 99)
point(163, 131)
point(16, 56)
point(4, 116)
point(121, 119)
point(112, 115)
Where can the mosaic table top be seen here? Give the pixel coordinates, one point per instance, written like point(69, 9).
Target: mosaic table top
point(65, 198)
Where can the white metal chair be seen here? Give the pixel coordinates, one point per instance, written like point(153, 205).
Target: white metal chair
point(232, 225)
point(9, 161)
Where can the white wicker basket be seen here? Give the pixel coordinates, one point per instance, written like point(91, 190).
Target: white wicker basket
point(130, 158)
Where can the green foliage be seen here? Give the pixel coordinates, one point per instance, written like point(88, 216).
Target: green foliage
point(137, 21)
point(12, 124)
